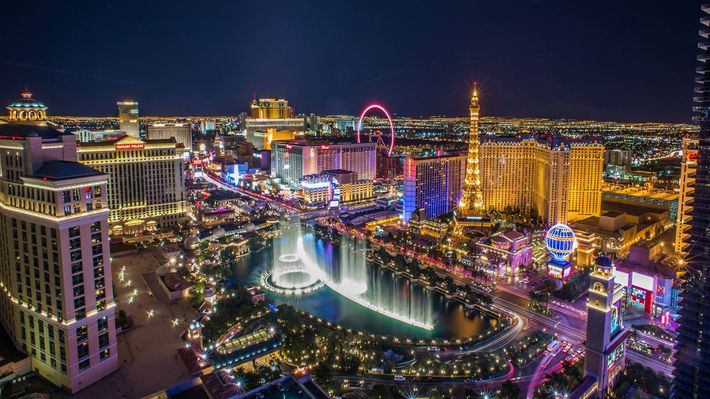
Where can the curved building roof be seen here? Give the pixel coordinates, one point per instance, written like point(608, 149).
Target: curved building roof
point(26, 101)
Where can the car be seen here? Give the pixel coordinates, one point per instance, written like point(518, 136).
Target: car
point(398, 377)
point(553, 346)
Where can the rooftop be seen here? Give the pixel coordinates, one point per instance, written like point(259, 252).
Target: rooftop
point(175, 282)
point(19, 131)
point(26, 101)
point(138, 141)
point(552, 141)
point(633, 209)
point(513, 235)
point(62, 170)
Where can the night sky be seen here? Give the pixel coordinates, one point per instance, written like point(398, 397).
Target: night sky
point(623, 60)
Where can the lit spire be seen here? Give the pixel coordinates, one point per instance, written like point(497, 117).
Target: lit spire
point(474, 97)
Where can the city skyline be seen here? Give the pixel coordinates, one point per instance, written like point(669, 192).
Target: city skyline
point(285, 247)
point(396, 55)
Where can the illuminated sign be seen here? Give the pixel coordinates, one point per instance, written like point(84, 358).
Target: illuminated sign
point(615, 356)
point(567, 272)
point(638, 294)
point(559, 271)
point(130, 146)
point(643, 297)
point(693, 156)
point(554, 271)
point(615, 319)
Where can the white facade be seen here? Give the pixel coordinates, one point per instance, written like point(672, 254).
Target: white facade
point(292, 160)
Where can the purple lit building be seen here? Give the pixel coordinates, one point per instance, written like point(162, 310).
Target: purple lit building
point(506, 252)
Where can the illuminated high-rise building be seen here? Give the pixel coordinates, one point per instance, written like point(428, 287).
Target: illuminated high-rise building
point(291, 160)
point(270, 108)
point(272, 119)
point(147, 188)
point(688, 170)
point(128, 117)
point(55, 274)
point(561, 179)
point(692, 366)
point(334, 187)
point(605, 354)
point(471, 203)
point(182, 132)
point(586, 167)
point(434, 184)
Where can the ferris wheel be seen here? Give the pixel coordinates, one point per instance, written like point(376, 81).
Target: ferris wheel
point(383, 142)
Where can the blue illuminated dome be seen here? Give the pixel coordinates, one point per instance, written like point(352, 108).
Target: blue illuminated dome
point(560, 241)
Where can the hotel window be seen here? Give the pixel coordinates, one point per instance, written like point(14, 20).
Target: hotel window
point(82, 333)
point(75, 256)
point(103, 340)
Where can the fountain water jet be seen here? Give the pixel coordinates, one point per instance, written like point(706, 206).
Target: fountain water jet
point(349, 276)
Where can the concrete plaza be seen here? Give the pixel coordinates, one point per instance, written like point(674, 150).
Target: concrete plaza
point(147, 352)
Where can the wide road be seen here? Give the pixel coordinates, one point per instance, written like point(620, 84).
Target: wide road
point(213, 180)
point(539, 374)
point(388, 379)
point(565, 329)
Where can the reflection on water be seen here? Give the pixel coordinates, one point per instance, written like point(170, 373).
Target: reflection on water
point(357, 295)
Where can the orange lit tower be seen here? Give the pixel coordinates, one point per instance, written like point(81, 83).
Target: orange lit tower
point(472, 200)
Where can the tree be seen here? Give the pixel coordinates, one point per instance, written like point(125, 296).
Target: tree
point(509, 390)
point(197, 294)
point(382, 392)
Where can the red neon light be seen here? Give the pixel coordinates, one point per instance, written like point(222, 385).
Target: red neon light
point(384, 111)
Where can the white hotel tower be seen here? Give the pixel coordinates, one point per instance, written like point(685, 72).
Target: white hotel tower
point(56, 298)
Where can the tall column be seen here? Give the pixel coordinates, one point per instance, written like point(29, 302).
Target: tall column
point(472, 201)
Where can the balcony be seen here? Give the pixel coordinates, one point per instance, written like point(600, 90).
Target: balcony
point(704, 45)
point(703, 57)
point(704, 33)
point(704, 100)
point(700, 118)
